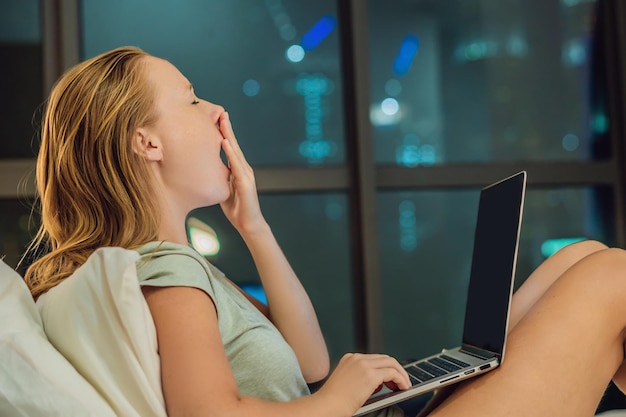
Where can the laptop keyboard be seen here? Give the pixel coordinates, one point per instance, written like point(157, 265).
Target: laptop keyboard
point(432, 368)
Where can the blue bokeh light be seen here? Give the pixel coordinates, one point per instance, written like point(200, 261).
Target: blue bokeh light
point(251, 87)
point(570, 142)
point(255, 290)
point(320, 30)
point(408, 225)
point(406, 54)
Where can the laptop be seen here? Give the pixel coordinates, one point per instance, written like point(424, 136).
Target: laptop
point(489, 295)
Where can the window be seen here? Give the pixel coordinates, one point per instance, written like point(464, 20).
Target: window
point(481, 80)
point(21, 85)
point(21, 93)
point(371, 126)
point(458, 88)
point(273, 64)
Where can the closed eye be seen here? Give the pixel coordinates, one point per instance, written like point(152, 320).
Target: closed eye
point(195, 102)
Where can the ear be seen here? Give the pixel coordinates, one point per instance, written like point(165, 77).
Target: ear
point(147, 145)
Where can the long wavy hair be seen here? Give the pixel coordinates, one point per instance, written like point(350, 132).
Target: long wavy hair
point(93, 189)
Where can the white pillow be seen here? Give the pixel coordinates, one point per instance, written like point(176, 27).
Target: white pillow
point(35, 380)
point(99, 320)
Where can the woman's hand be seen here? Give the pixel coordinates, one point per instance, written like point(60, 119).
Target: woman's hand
point(242, 207)
point(358, 376)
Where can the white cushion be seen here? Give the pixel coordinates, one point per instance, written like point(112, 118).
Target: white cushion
point(35, 380)
point(99, 320)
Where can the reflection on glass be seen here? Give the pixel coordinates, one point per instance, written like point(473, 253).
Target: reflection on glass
point(21, 84)
point(313, 231)
point(477, 81)
point(426, 242)
point(273, 64)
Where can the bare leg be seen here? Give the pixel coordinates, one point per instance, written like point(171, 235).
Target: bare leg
point(530, 292)
point(544, 276)
point(561, 354)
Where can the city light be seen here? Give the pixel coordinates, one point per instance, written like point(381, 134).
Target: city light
point(408, 225)
point(600, 123)
point(551, 246)
point(316, 147)
point(570, 142)
point(574, 53)
point(256, 291)
point(320, 30)
point(251, 88)
point(411, 155)
point(202, 237)
point(393, 87)
point(387, 112)
point(390, 106)
point(406, 54)
point(295, 53)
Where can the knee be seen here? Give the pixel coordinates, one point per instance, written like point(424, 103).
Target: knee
point(597, 283)
point(610, 258)
point(579, 250)
point(601, 279)
point(608, 265)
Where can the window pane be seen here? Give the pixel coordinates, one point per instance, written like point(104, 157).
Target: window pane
point(273, 64)
point(313, 231)
point(21, 90)
point(16, 231)
point(482, 80)
point(426, 242)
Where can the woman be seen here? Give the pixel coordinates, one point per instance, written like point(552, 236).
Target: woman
point(128, 151)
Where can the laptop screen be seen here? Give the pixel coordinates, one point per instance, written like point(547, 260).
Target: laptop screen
point(493, 263)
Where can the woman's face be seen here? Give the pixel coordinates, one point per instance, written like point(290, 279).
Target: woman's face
point(188, 164)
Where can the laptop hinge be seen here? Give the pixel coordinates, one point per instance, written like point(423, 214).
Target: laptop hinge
point(478, 352)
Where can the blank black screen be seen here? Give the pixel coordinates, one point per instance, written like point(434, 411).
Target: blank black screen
point(493, 263)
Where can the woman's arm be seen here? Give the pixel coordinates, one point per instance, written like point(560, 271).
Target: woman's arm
point(198, 381)
point(290, 308)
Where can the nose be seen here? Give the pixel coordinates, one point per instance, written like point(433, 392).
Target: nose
point(215, 110)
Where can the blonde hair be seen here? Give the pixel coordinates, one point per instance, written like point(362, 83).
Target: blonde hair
point(93, 189)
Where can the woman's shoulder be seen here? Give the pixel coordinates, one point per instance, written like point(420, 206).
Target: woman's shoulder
point(164, 253)
point(164, 248)
point(157, 259)
point(167, 263)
